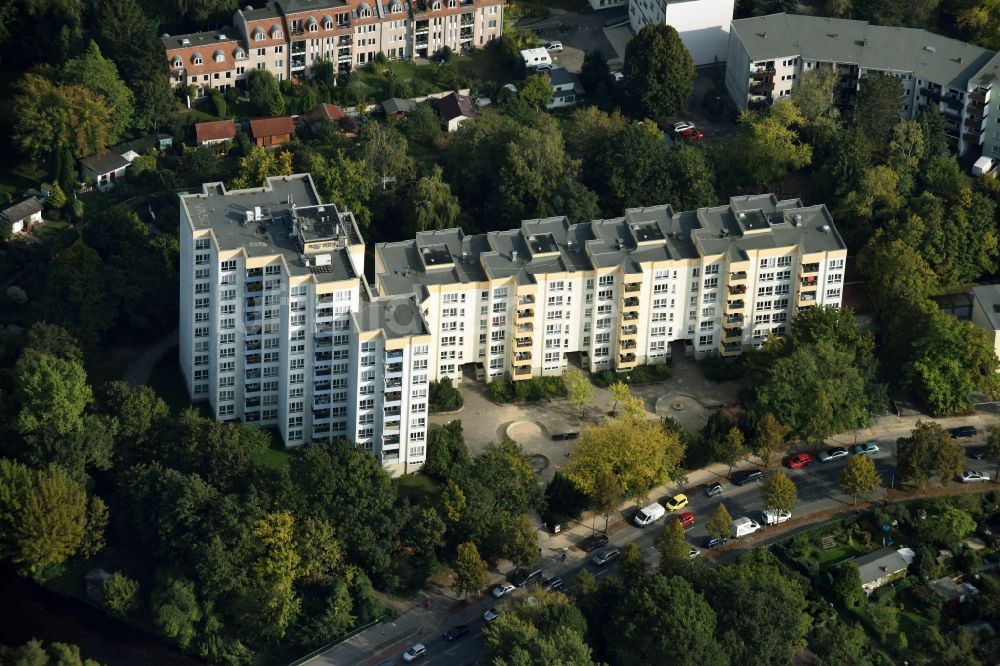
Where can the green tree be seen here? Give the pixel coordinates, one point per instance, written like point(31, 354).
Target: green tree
point(879, 104)
point(778, 492)
point(835, 642)
point(120, 594)
point(993, 450)
point(271, 602)
point(814, 97)
point(769, 438)
point(859, 477)
point(672, 545)
point(663, 620)
point(619, 391)
point(520, 544)
point(634, 168)
point(659, 71)
point(631, 564)
point(769, 145)
point(54, 117)
point(579, 389)
point(53, 393)
point(948, 527)
point(928, 448)
point(845, 580)
point(471, 574)
point(386, 154)
point(595, 75)
point(692, 176)
point(537, 90)
point(33, 653)
point(57, 198)
point(176, 611)
point(260, 164)
point(264, 92)
point(447, 455)
point(546, 629)
point(347, 183)
point(732, 449)
point(430, 204)
point(720, 524)
point(322, 554)
point(100, 75)
point(606, 495)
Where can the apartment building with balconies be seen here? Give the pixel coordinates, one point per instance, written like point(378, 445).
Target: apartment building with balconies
point(769, 54)
point(289, 37)
point(616, 292)
point(279, 328)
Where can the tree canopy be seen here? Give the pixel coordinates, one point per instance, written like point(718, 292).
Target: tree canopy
point(659, 71)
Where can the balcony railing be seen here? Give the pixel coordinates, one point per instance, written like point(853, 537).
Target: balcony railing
point(810, 268)
point(526, 313)
point(630, 316)
point(628, 344)
point(522, 342)
point(629, 330)
point(732, 347)
point(624, 359)
point(737, 289)
point(633, 287)
point(522, 372)
point(630, 302)
point(809, 281)
point(391, 356)
point(393, 368)
point(738, 275)
point(807, 298)
point(734, 305)
point(526, 300)
point(762, 73)
point(735, 319)
point(526, 328)
point(732, 332)
point(521, 357)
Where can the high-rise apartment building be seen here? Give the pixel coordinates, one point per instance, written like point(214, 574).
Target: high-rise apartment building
point(288, 37)
point(279, 325)
point(769, 54)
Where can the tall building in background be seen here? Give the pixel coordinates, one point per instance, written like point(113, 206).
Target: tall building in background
point(703, 25)
point(769, 54)
point(280, 327)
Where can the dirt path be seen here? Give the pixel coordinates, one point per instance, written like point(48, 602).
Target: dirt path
point(137, 372)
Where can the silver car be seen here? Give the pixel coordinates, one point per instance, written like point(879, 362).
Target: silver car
point(836, 453)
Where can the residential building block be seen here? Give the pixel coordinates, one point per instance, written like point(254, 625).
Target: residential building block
point(703, 25)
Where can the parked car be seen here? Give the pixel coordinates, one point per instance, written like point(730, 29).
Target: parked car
point(693, 553)
point(972, 476)
point(775, 516)
point(962, 431)
point(502, 589)
point(678, 501)
point(683, 125)
point(713, 490)
point(605, 557)
point(554, 46)
point(692, 134)
point(414, 652)
point(799, 460)
point(490, 615)
point(976, 452)
point(686, 519)
point(743, 526)
point(747, 476)
point(593, 542)
point(526, 576)
point(868, 448)
point(552, 583)
point(456, 632)
point(649, 514)
point(714, 542)
point(834, 453)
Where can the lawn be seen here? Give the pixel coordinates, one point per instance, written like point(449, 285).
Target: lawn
point(275, 456)
point(826, 558)
point(18, 178)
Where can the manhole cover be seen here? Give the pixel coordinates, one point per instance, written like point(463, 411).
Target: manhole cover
point(677, 406)
point(538, 462)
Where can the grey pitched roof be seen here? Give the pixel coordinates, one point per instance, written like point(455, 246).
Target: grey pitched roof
point(21, 210)
point(225, 35)
point(560, 77)
point(879, 563)
point(105, 162)
point(988, 297)
point(397, 105)
point(930, 56)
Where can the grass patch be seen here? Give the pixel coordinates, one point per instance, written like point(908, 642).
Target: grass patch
point(419, 489)
point(274, 456)
point(168, 382)
point(51, 229)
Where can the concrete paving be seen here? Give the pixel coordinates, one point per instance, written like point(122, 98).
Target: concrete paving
point(579, 34)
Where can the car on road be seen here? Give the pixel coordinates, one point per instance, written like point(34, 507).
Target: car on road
point(593, 542)
point(686, 519)
point(678, 501)
point(962, 431)
point(490, 615)
point(834, 453)
point(976, 452)
point(552, 583)
point(605, 557)
point(456, 632)
point(555, 46)
point(775, 516)
point(714, 542)
point(868, 448)
point(414, 652)
point(799, 460)
point(525, 576)
point(972, 476)
point(502, 589)
point(743, 526)
point(713, 490)
point(693, 553)
point(682, 125)
point(692, 134)
point(747, 476)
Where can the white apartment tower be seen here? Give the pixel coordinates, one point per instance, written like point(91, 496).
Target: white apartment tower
point(279, 326)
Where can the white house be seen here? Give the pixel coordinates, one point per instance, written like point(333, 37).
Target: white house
point(535, 57)
point(563, 89)
point(23, 215)
point(454, 110)
point(104, 169)
point(703, 25)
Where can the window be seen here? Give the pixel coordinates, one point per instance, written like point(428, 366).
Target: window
point(835, 265)
point(833, 293)
point(706, 340)
point(712, 269)
point(197, 60)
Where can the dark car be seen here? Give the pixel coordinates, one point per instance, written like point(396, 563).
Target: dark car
point(976, 452)
point(713, 490)
point(456, 632)
point(552, 583)
point(593, 542)
point(604, 557)
point(747, 476)
point(526, 576)
point(712, 543)
point(962, 431)
point(563, 436)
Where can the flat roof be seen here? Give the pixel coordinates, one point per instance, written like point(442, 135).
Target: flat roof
point(396, 317)
point(879, 563)
point(930, 56)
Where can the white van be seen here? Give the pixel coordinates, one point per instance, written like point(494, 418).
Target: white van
point(649, 514)
point(744, 526)
point(983, 165)
point(775, 516)
point(535, 57)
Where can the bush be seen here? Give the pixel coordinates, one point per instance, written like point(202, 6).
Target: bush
point(219, 104)
point(534, 389)
point(718, 369)
point(120, 594)
point(444, 397)
point(16, 295)
point(563, 500)
point(641, 374)
point(501, 390)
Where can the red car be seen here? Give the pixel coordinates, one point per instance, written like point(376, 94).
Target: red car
point(799, 460)
point(686, 519)
point(692, 134)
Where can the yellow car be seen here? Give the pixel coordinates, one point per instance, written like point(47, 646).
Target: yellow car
point(677, 502)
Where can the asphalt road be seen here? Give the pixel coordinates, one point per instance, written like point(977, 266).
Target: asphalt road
point(818, 490)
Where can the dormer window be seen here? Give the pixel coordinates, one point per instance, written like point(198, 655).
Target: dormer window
point(365, 13)
point(328, 25)
point(259, 34)
point(219, 56)
point(241, 54)
point(275, 32)
point(178, 63)
point(436, 5)
point(313, 27)
point(196, 59)
point(452, 3)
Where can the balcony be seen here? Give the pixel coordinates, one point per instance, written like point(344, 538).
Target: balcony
point(630, 316)
point(522, 342)
point(252, 345)
point(934, 95)
point(323, 329)
point(810, 268)
point(251, 388)
point(626, 360)
point(632, 287)
point(254, 302)
point(325, 299)
point(324, 313)
point(734, 306)
point(393, 356)
point(732, 333)
point(390, 440)
point(520, 358)
point(762, 73)
point(321, 415)
point(322, 343)
point(807, 298)
point(252, 359)
point(323, 356)
point(321, 386)
point(391, 428)
point(526, 300)
point(738, 276)
point(731, 348)
point(322, 372)
point(524, 315)
point(630, 330)
point(252, 403)
point(808, 282)
point(762, 87)
point(526, 328)
point(391, 411)
point(737, 289)
point(630, 302)
point(521, 373)
point(628, 344)
point(735, 319)
point(321, 401)
point(952, 101)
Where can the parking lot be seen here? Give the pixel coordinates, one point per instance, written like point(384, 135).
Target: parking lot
point(579, 34)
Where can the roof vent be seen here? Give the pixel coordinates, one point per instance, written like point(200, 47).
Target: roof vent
point(825, 227)
point(248, 8)
point(868, 42)
point(165, 35)
point(513, 255)
point(798, 219)
point(835, 35)
point(222, 36)
point(930, 49)
point(185, 42)
point(763, 35)
point(741, 215)
point(425, 250)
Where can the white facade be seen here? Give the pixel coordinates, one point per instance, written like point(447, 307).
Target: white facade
point(278, 328)
point(563, 89)
point(703, 25)
point(769, 54)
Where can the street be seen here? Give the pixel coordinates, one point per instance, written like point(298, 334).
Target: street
point(818, 490)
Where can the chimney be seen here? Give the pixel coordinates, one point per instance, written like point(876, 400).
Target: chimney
point(513, 255)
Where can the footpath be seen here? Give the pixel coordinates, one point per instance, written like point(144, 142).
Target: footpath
point(430, 612)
